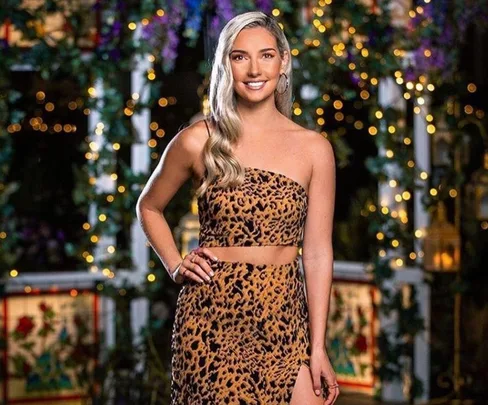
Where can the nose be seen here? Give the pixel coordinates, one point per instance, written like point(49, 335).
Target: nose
point(254, 69)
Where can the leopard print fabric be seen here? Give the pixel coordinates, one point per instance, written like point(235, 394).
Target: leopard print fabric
point(269, 208)
point(242, 337)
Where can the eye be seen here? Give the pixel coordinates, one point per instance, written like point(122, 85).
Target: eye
point(237, 57)
point(268, 55)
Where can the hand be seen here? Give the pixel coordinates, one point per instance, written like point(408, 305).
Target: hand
point(320, 367)
point(195, 267)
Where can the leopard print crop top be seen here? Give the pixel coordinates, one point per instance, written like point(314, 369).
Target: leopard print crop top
point(269, 208)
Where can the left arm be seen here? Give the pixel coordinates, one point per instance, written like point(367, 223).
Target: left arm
point(317, 255)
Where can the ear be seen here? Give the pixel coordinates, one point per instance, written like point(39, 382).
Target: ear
point(284, 60)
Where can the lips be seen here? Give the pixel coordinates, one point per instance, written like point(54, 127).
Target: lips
point(255, 85)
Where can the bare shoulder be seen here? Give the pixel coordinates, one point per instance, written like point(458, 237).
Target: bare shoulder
point(192, 137)
point(316, 148)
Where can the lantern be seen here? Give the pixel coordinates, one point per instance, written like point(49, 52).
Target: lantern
point(188, 229)
point(477, 189)
point(442, 245)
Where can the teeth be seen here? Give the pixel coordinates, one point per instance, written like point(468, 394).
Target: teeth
point(255, 84)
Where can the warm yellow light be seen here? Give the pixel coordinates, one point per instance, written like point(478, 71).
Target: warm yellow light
point(433, 192)
point(110, 198)
point(382, 253)
point(297, 111)
point(295, 52)
point(102, 217)
point(121, 189)
point(151, 277)
point(418, 233)
point(114, 176)
point(431, 129)
point(389, 153)
point(321, 121)
point(385, 210)
point(132, 26)
point(151, 76)
point(276, 12)
point(338, 104)
point(406, 195)
point(92, 92)
point(152, 143)
point(391, 129)
point(94, 146)
point(420, 101)
point(3, 235)
point(86, 226)
point(319, 111)
point(364, 52)
point(412, 255)
point(409, 85)
point(163, 102)
point(395, 243)
point(89, 259)
point(111, 249)
point(453, 193)
point(160, 12)
point(372, 131)
point(94, 238)
point(392, 183)
point(406, 96)
point(398, 198)
point(40, 95)
point(424, 175)
point(14, 273)
point(472, 87)
point(399, 262)
point(380, 236)
point(407, 141)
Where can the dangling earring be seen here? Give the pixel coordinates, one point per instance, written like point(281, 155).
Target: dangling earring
point(287, 83)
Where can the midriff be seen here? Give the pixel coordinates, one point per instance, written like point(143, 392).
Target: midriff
point(255, 254)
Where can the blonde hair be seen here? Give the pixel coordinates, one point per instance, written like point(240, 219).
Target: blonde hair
point(218, 157)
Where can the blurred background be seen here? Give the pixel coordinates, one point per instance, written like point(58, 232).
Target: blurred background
point(92, 91)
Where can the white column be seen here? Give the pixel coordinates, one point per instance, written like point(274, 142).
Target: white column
point(104, 183)
point(421, 143)
point(140, 163)
point(390, 95)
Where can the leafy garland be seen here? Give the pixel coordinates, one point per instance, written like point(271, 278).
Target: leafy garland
point(359, 44)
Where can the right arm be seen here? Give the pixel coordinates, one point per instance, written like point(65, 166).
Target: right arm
point(175, 167)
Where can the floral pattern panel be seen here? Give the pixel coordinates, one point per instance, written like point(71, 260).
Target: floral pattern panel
point(51, 346)
point(351, 333)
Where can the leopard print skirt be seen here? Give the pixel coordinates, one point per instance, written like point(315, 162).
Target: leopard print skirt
point(240, 338)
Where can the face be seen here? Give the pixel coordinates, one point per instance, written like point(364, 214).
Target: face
point(256, 64)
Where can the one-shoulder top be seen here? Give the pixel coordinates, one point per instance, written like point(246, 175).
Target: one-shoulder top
point(269, 208)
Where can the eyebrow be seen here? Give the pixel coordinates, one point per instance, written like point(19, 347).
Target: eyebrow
point(262, 50)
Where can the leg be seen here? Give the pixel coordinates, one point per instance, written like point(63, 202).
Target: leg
point(303, 391)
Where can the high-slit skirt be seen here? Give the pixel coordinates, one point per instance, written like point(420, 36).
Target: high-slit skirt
point(240, 338)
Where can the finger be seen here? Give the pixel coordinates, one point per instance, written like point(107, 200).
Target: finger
point(316, 382)
point(208, 253)
point(337, 394)
point(197, 263)
point(192, 276)
point(190, 273)
point(331, 396)
point(203, 263)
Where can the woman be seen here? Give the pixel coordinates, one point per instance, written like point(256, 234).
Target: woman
point(245, 332)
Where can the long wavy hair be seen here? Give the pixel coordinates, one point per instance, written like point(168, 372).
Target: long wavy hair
point(218, 157)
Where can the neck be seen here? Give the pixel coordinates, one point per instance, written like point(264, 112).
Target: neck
point(258, 116)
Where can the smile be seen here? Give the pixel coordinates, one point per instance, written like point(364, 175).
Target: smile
point(255, 85)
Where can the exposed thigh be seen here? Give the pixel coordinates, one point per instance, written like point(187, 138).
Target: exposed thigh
point(303, 393)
